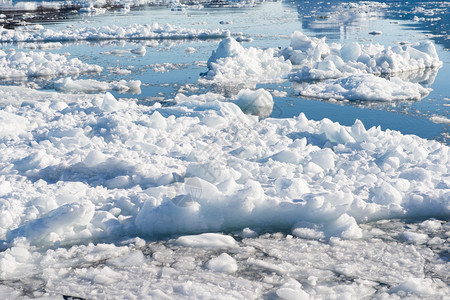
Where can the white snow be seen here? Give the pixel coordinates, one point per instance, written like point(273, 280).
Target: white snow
point(107, 32)
point(85, 178)
point(113, 162)
point(259, 102)
point(68, 85)
point(213, 240)
point(223, 263)
point(30, 64)
point(440, 119)
point(318, 60)
point(365, 87)
point(231, 63)
point(77, 169)
point(354, 65)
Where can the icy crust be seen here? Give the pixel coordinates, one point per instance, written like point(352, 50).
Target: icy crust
point(97, 168)
point(318, 60)
point(366, 87)
point(231, 63)
point(38, 33)
point(29, 64)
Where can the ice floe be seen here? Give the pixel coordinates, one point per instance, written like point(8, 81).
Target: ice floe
point(68, 85)
point(130, 170)
point(313, 59)
point(38, 33)
point(77, 169)
point(365, 87)
point(318, 60)
point(30, 64)
point(231, 62)
point(259, 102)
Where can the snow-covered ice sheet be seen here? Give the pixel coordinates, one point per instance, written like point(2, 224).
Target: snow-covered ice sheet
point(199, 166)
point(38, 33)
point(77, 169)
point(16, 64)
point(365, 87)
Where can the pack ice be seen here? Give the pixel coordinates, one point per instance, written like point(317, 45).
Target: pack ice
point(38, 33)
point(16, 64)
point(98, 167)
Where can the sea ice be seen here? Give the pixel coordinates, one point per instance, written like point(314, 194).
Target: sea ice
point(366, 87)
point(213, 240)
point(318, 60)
point(311, 58)
point(92, 168)
point(137, 166)
point(223, 263)
point(231, 62)
point(30, 64)
point(259, 102)
point(107, 32)
point(68, 85)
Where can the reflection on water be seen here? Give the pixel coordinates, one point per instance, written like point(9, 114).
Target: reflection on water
point(425, 76)
point(429, 16)
point(338, 19)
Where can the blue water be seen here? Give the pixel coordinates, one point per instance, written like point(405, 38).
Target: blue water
point(270, 24)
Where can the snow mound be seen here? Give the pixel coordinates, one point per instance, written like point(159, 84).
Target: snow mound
point(366, 87)
point(231, 62)
point(223, 263)
point(210, 240)
point(31, 64)
point(108, 32)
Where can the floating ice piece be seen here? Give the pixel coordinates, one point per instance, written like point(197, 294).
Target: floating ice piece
point(30, 64)
point(366, 87)
point(139, 51)
point(68, 85)
point(231, 62)
point(210, 240)
point(190, 50)
point(292, 290)
point(223, 263)
point(318, 60)
point(440, 119)
point(134, 31)
point(415, 238)
point(259, 102)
